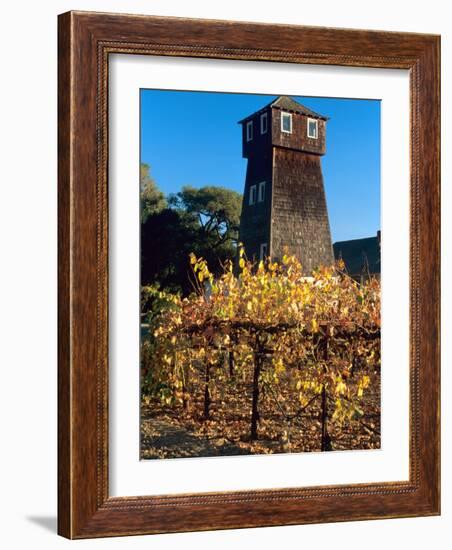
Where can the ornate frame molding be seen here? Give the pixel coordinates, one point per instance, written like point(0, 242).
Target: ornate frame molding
point(85, 42)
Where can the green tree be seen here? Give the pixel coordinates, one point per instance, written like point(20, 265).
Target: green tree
point(216, 209)
point(166, 242)
point(152, 200)
point(204, 221)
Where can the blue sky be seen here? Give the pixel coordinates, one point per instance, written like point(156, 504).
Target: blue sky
point(192, 138)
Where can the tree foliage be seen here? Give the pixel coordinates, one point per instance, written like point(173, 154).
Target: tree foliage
point(152, 200)
point(203, 221)
point(216, 209)
point(166, 241)
point(294, 340)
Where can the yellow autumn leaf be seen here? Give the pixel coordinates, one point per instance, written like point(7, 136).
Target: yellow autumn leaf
point(341, 388)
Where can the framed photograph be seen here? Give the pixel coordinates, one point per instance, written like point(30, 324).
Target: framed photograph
point(248, 275)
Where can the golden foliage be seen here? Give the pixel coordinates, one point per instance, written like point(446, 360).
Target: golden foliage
point(310, 332)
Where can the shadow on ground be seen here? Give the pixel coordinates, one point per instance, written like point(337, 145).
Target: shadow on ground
point(162, 439)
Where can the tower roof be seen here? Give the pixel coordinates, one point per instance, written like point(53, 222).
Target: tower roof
point(286, 103)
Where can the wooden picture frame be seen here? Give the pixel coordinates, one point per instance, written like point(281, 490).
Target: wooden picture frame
point(86, 40)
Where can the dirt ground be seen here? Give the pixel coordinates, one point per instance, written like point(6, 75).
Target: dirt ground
point(168, 432)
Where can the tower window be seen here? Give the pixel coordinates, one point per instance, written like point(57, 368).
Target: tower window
point(249, 130)
point(261, 192)
point(252, 198)
point(286, 123)
point(313, 128)
point(264, 123)
point(263, 251)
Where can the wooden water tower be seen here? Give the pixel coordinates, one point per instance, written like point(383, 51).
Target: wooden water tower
point(284, 201)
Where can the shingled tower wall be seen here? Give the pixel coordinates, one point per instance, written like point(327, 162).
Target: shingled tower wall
point(287, 207)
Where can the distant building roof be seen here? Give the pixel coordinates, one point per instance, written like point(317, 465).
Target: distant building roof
point(359, 255)
point(286, 103)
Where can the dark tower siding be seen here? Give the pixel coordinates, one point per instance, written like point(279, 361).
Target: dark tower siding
point(260, 143)
point(298, 139)
point(255, 219)
point(294, 213)
point(300, 219)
